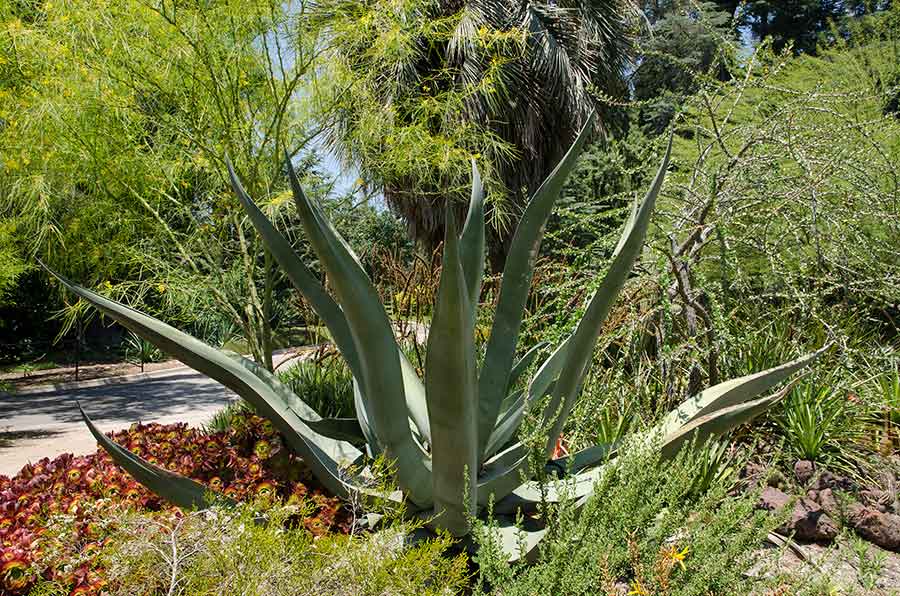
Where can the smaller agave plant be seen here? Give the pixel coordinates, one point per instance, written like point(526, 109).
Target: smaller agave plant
point(452, 437)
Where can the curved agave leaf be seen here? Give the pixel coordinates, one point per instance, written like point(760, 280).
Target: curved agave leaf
point(362, 416)
point(323, 304)
point(414, 393)
point(708, 426)
point(507, 425)
point(524, 362)
point(580, 486)
point(451, 394)
point(734, 391)
point(549, 371)
point(471, 247)
point(581, 344)
point(302, 278)
point(517, 275)
point(502, 474)
point(589, 456)
point(341, 429)
point(519, 541)
point(379, 355)
point(174, 488)
point(249, 380)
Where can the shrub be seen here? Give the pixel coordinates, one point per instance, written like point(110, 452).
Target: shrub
point(651, 525)
point(257, 551)
point(324, 382)
point(252, 552)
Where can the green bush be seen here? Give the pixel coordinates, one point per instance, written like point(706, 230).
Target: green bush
point(650, 525)
point(324, 382)
point(820, 424)
point(253, 553)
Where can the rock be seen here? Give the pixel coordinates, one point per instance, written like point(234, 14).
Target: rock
point(804, 471)
point(772, 499)
point(876, 499)
point(882, 529)
point(828, 480)
point(829, 503)
point(812, 495)
point(808, 520)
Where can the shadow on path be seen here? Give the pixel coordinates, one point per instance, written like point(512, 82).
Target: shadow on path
point(145, 399)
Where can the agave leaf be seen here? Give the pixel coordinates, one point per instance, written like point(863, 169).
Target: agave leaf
point(451, 394)
point(414, 392)
point(373, 336)
point(519, 541)
point(508, 424)
point(579, 486)
point(517, 275)
point(322, 303)
point(249, 380)
point(174, 488)
point(549, 371)
point(589, 456)
point(471, 248)
point(734, 391)
point(502, 474)
point(717, 422)
point(581, 344)
point(341, 429)
point(362, 416)
point(524, 362)
point(302, 278)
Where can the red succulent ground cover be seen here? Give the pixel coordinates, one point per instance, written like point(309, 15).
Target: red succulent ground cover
point(247, 462)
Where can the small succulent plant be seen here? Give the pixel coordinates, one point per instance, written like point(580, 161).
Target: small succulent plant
point(245, 463)
point(452, 437)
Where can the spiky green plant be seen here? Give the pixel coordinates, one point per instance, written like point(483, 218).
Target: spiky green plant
point(452, 438)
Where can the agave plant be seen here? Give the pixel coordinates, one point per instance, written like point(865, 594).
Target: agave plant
point(452, 436)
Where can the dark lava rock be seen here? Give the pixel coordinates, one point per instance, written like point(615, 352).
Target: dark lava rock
point(808, 521)
point(828, 480)
point(804, 471)
point(882, 529)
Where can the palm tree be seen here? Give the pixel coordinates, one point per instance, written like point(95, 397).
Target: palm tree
point(508, 82)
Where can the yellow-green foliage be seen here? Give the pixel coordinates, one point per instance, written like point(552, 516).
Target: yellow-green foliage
point(798, 159)
point(663, 529)
point(219, 552)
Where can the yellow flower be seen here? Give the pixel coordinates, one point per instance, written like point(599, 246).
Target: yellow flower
point(161, 288)
point(676, 556)
point(638, 589)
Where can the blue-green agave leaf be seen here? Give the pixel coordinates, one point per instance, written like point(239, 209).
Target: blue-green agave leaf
point(451, 393)
point(517, 275)
point(508, 424)
point(521, 366)
point(254, 383)
point(341, 429)
point(302, 278)
point(376, 346)
point(548, 372)
point(733, 392)
point(581, 344)
point(471, 248)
